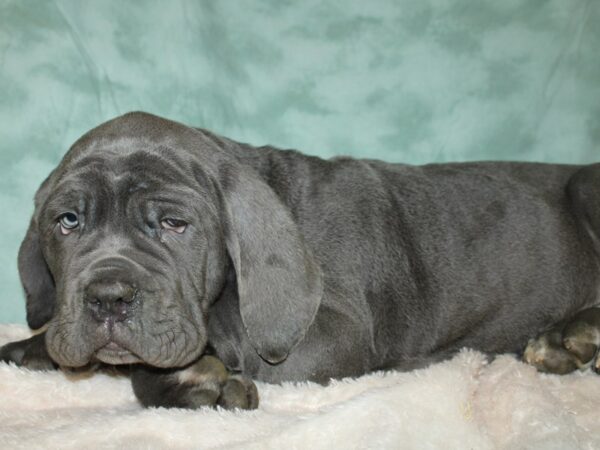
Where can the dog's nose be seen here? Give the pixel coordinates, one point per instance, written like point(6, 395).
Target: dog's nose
point(110, 299)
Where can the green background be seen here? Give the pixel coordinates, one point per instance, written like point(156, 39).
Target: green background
point(400, 80)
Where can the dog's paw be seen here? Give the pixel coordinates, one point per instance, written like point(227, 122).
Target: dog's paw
point(547, 354)
point(29, 353)
point(238, 392)
point(567, 347)
point(209, 383)
point(204, 383)
point(581, 337)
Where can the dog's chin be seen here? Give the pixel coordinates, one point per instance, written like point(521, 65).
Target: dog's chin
point(114, 354)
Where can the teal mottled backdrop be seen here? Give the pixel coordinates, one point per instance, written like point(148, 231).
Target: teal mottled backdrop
point(401, 80)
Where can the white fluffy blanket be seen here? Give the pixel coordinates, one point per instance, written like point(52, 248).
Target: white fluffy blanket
point(459, 404)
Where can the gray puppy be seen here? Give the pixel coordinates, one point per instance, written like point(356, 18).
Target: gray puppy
point(204, 263)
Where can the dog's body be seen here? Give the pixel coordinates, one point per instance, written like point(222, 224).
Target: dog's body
point(419, 261)
point(296, 268)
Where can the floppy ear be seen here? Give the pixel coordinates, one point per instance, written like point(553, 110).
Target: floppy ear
point(279, 281)
point(35, 276)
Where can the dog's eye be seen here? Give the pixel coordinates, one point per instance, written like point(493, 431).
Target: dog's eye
point(176, 225)
point(68, 222)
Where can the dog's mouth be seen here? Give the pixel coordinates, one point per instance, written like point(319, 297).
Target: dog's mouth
point(113, 353)
point(76, 338)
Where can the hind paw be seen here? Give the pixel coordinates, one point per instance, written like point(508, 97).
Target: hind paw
point(567, 347)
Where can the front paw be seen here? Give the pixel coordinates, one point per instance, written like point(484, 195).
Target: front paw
point(209, 383)
point(204, 383)
point(238, 392)
point(29, 353)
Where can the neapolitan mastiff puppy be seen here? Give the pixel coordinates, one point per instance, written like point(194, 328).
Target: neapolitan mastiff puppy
point(204, 263)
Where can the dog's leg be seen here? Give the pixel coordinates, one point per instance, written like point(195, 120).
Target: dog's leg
point(204, 383)
point(29, 353)
point(569, 346)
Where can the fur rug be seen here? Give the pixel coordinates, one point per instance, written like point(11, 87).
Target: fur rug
point(464, 403)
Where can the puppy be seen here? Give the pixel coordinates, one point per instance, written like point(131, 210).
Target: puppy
point(204, 263)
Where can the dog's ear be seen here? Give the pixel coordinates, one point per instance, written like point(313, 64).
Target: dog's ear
point(279, 281)
point(35, 276)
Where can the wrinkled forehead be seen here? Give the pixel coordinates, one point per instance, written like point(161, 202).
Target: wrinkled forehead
point(121, 168)
point(143, 147)
point(124, 163)
point(134, 160)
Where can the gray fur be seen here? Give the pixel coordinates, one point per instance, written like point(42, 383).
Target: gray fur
point(297, 268)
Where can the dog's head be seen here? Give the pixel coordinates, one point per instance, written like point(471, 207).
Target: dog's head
point(131, 239)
